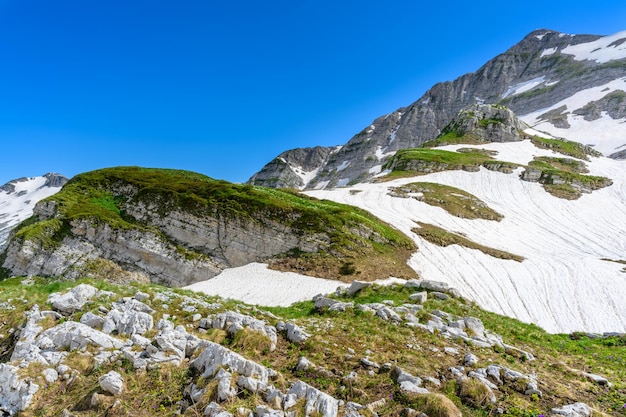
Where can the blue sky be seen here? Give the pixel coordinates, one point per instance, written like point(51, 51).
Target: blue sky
point(223, 87)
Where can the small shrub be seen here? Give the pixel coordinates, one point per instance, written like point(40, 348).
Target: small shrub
point(474, 393)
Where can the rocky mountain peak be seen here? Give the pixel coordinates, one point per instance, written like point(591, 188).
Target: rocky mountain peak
point(549, 79)
point(486, 123)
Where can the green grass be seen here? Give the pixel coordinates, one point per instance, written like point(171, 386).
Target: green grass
point(415, 161)
point(563, 164)
point(442, 237)
point(564, 147)
point(334, 336)
point(111, 196)
point(453, 138)
point(555, 170)
point(455, 201)
point(406, 159)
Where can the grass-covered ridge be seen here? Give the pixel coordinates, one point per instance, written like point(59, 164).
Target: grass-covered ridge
point(442, 237)
point(564, 178)
point(112, 196)
point(455, 201)
point(417, 161)
point(565, 147)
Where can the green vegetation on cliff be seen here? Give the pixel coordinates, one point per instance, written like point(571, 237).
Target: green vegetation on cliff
point(346, 236)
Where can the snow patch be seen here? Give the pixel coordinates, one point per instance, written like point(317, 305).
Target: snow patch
point(343, 182)
point(605, 134)
point(547, 52)
point(523, 86)
point(605, 49)
point(20, 203)
point(375, 169)
point(343, 165)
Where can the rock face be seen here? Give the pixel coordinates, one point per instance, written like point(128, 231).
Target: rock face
point(540, 71)
point(293, 168)
point(157, 225)
point(486, 123)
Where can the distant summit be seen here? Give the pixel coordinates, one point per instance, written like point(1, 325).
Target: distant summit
point(18, 198)
point(570, 86)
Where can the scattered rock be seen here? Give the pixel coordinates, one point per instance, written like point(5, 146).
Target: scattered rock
point(295, 333)
point(73, 300)
point(357, 286)
point(112, 383)
point(574, 410)
point(419, 297)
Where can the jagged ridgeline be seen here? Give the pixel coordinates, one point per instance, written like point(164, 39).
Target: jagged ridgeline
point(177, 227)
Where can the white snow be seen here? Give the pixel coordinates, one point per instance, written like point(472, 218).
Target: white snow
point(17, 206)
point(523, 86)
point(549, 51)
point(563, 284)
point(392, 137)
point(605, 134)
point(382, 152)
point(375, 169)
point(306, 176)
point(255, 283)
point(343, 165)
point(599, 50)
point(343, 182)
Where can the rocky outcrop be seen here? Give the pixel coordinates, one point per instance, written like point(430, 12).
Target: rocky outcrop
point(534, 74)
point(291, 169)
point(486, 123)
point(143, 225)
point(56, 355)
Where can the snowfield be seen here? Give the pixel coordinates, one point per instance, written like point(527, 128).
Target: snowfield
point(255, 283)
point(563, 284)
point(605, 134)
point(17, 206)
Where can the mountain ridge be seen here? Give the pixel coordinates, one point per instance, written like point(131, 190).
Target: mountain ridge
point(534, 74)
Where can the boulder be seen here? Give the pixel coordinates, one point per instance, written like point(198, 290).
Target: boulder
point(574, 410)
point(419, 297)
point(295, 333)
point(357, 286)
point(16, 394)
point(73, 300)
point(112, 383)
point(316, 400)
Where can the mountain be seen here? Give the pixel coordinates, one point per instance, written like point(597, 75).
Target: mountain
point(92, 348)
point(18, 198)
point(515, 221)
point(570, 86)
point(178, 227)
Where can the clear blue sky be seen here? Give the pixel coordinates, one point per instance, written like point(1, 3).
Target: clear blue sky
point(222, 87)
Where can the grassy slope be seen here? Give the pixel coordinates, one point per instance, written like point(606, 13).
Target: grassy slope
point(455, 201)
point(338, 343)
point(355, 236)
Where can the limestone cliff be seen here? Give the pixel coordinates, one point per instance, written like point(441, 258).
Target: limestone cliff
point(541, 71)
point(177, 227)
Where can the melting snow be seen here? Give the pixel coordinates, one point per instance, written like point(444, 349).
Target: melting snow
point(375, 169)
point(562, 285)
point(605, 49)
point(523, 87)
point(605, 134)
point(549, 51)
point(343, 165)
point(21, 202)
